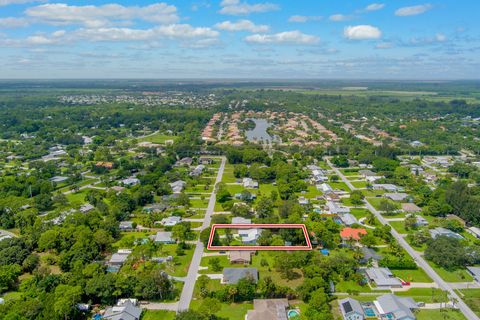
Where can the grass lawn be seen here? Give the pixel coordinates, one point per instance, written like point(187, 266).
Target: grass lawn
point(266, 189)
point(349, 286)
point(180, 267)
point(472, 298)
point(459, 275)
point(450, 314)
point(199, 203)
point(158, 314)
point(359, 212)
point(399, 226)
point(238, 188)
point(417, 275)
point(234, 311)
point(359, 184)
point(310, 193)
point(77, 197)
point(427, 295)
point(127, 239)
point(339, 186)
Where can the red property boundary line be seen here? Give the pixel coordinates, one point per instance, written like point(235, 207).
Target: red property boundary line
point(265, 226)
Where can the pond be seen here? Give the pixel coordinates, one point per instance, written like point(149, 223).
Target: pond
point(259, 133)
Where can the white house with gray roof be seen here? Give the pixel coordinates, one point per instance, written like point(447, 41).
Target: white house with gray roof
point(440, 231)
point(383, 278)
point(124, 310)
point(351, 309)
point(394, 307)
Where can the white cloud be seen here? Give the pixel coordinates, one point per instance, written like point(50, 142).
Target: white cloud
point(413, 10)
point(235, 7)
point(339, 17)
point(303, 19)
point(242, 25)
point(9, 2)
point(13, 22)
point(101, 16)
point(374, 6)
point(174, 31)
point(287, 37)
point(362, 32)
point(384, 45)
point(440, 37)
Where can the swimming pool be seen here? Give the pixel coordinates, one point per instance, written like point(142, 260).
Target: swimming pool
point(369, 312)
point(293, 313)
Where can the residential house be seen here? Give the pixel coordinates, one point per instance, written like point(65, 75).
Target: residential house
point(131, 181)
point(386, 187)
point(126, 225)
point(411, 207)
point(324, 188)
point(58, 179)
point(440, 231)
point(241, 220)
point(104, 164)
point(155, 207)
point(382, 278)
point(164, 237)
point(416, 144)
point(86, 208)
point(420, 221)
point(245, 196)
point(367, 173)
point(348, 219)
point(474, 231)
point(249, 183)
point(124, 310)
point(369, 254)
point(268, 309)
point(118, 259)
point(396, 196)
point(240, 256)
point(187, 161)
point(249, 236)
point(171, 221)
point(233, 275)
point(336, 208)
point(351, 309)
point(352, 233)
point(475, 272)
point(303, 201)
point(197, 171)
point(205, 160)
point(394, 307)
point(178, 186)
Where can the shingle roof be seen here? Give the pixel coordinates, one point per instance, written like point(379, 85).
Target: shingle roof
point(233, 275)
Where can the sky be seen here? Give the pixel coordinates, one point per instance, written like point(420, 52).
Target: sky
point(240, 39)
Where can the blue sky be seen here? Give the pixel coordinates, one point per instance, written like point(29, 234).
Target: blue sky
point(240, 39)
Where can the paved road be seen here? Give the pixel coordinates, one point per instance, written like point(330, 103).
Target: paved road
point(187, 292)
point(415, 255)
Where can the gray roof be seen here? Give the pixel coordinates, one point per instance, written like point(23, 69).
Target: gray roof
point(349, 305)
point(163, 236)
point(348, 219)
point(440, 231)
point(396, 196)
point(475, 271)
point(370, 254)
point(382, 277)
point(400, 307)
point(125, 311)
point(268, 309)
point(233, 275)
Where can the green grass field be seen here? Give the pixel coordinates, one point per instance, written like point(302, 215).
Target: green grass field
point(158, 138)
point(158, 314)
point(412, 275)
point(472, 298)
point(447, 314)
point(459, 275)
point(427, 295)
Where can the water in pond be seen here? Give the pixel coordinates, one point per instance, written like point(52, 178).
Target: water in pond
point(259, 133)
